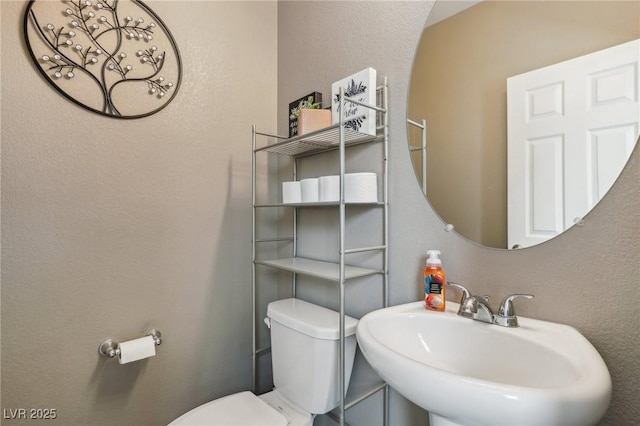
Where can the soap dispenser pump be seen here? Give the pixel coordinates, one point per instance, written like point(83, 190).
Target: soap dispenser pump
point(434, 282)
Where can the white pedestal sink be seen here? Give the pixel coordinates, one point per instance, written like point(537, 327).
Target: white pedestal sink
point(466, 372)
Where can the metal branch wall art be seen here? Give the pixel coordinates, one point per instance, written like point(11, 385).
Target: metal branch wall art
point(104, 55)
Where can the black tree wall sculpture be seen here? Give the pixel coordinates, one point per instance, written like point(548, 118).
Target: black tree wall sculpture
point(104, 54)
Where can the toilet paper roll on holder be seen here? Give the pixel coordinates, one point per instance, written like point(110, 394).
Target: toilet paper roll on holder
point(110, 348)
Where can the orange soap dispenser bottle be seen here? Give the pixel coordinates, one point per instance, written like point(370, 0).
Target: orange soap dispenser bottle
point(434, 282)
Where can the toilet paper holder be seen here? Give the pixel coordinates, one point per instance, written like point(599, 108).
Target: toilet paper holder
point(110, 348)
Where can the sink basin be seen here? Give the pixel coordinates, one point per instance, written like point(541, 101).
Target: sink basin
point(471, 373)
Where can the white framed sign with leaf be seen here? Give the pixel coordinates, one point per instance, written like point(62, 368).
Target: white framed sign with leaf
point(361, 87)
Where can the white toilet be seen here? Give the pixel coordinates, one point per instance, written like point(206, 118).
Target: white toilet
point(305, 353)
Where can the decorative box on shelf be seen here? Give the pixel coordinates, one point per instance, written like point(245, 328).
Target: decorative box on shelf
point(311, 101)
point(313, 119)
point(360, 86)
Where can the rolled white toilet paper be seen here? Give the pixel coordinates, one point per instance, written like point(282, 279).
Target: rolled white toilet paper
point(291, 192)
point(360, 188)
point(329, 188)
point(310, 192)
point(137, 349)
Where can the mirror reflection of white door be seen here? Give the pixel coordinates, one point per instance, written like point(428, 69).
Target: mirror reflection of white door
point(571, 129)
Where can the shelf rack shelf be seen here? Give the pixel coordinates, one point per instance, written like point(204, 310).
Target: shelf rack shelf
point(318, 204)
point(319, 269)
point(315, 142)
point(334, 137)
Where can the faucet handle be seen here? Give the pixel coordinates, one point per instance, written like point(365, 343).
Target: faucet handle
point(465, 293)
point(507, 313)
point(468, 305)
point(506, 307)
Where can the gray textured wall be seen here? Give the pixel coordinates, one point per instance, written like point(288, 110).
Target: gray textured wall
point(333, 40)
point(105, 236)
point(588, 278)
point(111, 227)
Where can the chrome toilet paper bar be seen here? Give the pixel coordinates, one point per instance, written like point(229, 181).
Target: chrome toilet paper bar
point(111, 349)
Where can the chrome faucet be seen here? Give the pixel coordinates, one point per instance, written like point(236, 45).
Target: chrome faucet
point(474, 307)
point(507, 314)
point(477, 308)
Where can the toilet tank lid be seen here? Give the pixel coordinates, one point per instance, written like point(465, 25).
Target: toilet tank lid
point(310, 319)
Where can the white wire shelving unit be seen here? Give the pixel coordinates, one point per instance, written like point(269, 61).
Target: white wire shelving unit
point(334, 137)
point(422, 125)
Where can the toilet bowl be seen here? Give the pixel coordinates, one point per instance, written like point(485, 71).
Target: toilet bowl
point(246, 409)
point(305, 353)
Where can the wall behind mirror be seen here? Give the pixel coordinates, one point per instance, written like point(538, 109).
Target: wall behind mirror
point(459, 86)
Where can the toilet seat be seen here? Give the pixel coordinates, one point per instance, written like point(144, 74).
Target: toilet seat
point(239, 409)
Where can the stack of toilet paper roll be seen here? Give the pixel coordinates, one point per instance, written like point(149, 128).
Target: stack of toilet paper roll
point(358, 188)
point(329, 188)
point(310, 190)
point(291, 192)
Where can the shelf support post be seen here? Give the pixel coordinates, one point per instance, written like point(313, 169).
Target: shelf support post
point(253, 258)
point(342, 255)
point(385, 277)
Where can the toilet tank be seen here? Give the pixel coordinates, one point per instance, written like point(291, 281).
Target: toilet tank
point(305, 353)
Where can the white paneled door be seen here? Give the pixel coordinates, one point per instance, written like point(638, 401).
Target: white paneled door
point(571, 129)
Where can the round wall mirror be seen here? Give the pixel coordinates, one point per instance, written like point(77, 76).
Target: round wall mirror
point(522, 114)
